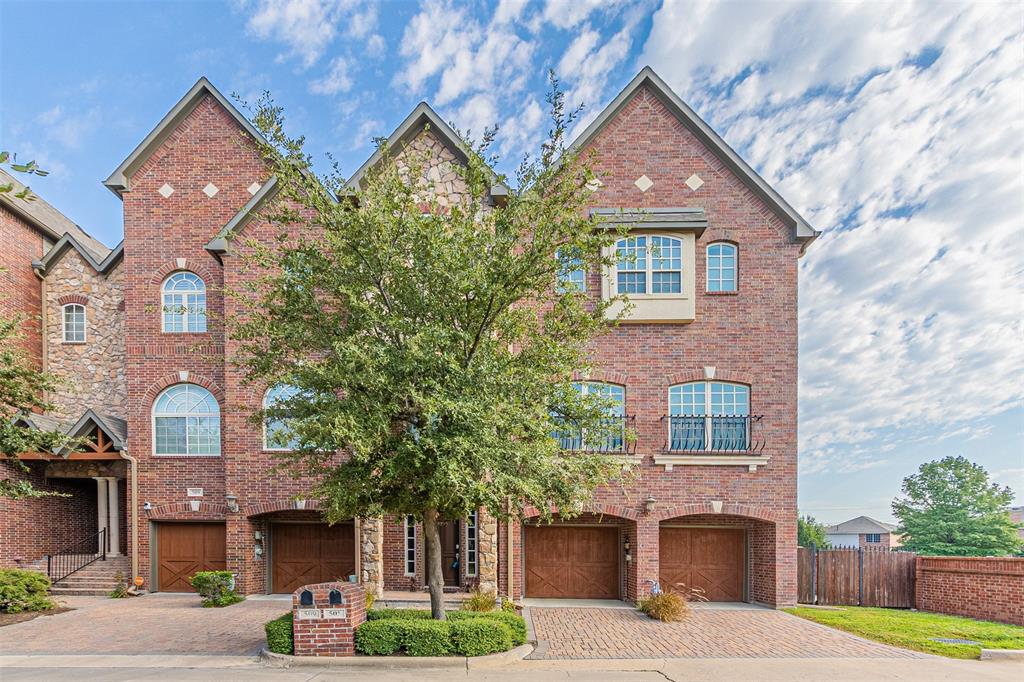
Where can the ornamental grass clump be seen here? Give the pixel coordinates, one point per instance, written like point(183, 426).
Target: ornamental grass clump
point(480, 601)
point(667, 607)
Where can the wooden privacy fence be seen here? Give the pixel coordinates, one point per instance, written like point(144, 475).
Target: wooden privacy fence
point(853, 576)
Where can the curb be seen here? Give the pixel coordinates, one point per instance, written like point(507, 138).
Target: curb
point(1002, 654)
point(270, 659)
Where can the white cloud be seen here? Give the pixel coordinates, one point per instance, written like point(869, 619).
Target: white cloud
point(569, 13)
point(307, 27)
point(509, 10)
point(337, 79)
point(68, 128)
point(367, 130)
point(912, 302)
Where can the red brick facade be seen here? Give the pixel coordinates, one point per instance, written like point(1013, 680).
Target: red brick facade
point(20, 289)
point(747, 337)
point(984, 588)
point(330, 629)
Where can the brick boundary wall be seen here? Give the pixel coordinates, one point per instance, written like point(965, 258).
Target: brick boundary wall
point(983, 588)
point(328, 633)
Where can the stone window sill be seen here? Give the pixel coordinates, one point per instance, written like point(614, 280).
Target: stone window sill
point(716, 459)
point(722, 293)
point(73, 343)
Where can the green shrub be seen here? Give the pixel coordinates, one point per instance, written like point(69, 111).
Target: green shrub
point(380, 637)
point(480, 601)
point(24, 591)
point(508, 606)
point(426, 637)
point(515, 623)
point(480, 636)
point(397, 614)
point(217, 588)
point(279, 635)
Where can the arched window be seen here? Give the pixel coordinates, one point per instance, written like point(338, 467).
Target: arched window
point(722, 267)
point(184, 303)
point(614, 438)
point(73, 320)
point(186, 421)
point(709, 415)
point(276, 433)
point(649, 264)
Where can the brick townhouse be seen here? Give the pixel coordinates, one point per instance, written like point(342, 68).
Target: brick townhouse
point(175, 478)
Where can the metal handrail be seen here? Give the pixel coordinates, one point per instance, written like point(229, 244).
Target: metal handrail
point(697, 433)
point(60, 565)
point(613, 439)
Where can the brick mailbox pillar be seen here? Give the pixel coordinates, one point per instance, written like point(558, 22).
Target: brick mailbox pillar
point(325, 617)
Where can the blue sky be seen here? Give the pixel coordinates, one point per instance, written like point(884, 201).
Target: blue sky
point(897, 129)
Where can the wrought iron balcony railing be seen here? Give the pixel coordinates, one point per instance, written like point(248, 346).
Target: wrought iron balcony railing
point(703, 433)
point(610, 437)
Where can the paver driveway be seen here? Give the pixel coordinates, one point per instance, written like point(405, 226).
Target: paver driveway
point(154, 624)
point(706, 633)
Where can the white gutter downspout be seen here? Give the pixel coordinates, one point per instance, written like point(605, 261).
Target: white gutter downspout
point(133, 505)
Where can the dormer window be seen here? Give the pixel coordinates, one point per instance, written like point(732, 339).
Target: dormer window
point(73, 321)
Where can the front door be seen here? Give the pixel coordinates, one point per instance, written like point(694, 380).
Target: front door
point(451, 563)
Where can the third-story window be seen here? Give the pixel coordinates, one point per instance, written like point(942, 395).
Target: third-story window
point(74, 323)
point(649, 264)
point(276, 433)
point(471, 544)
point(410, 545)
point(721, 267)
point(709, 415)
point(184, 303)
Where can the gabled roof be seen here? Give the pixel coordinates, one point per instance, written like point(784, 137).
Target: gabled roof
point(219, 244)
point(115, 428)
point(861, 524)
point(802, 230)
point(119, 180)
point(100, 265)
point(48, 219)
point(422, 116)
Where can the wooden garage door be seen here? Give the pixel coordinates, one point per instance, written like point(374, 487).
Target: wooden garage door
point(184, 549)
point(578, 562)
point(305, 553)
point(709, 558)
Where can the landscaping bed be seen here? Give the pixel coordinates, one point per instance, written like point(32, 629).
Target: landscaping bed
point(388, 632)
point(918, 630)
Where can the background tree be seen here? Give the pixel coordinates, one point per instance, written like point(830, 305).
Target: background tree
point(808, 530)
point(950, 508)
point(428, 339)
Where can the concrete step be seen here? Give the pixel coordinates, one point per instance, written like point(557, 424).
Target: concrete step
point(79, 591)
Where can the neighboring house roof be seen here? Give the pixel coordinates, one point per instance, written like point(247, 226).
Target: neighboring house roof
point(421, 116)
point(219, 244)
point(802, 231)
point(115, 428)
point(861, 524)
point(100, 265)
point(48, 219)
point(119, 180)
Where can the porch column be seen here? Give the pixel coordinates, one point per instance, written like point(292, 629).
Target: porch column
point(101, 509)
point(371, 557)
point(114, 509)
point(487, 551)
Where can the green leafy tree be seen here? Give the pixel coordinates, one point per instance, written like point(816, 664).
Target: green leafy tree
point(29, 168)
point(432, 351)
point(950, 508)
point(808, 531)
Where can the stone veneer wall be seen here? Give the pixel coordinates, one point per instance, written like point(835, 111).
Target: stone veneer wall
point(94, 371)
point(440, 178)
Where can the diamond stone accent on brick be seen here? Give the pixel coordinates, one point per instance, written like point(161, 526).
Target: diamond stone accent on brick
point(254, 187)
point(210, 190)
point(644, 183)
point(166, 190)
point(694, 182)
point(595, 184)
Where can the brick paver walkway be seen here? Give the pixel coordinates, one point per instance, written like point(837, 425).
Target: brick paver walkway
point(706, 633)
point(155, 624)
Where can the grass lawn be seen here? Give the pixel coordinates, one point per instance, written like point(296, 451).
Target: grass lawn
point(914, 629)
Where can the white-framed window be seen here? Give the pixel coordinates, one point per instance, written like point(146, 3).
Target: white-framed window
point(571, 274)
point(873, 538)
point(184, 303)
point(709, 416)
point(649, 264)
point(186, 421)
point(73, 321)
point(276, 433)
point(410, 545)
point(471, 544)
point(722, 267)
point(614, 440)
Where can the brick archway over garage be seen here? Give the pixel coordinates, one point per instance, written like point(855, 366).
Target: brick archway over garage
point(727, 509)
